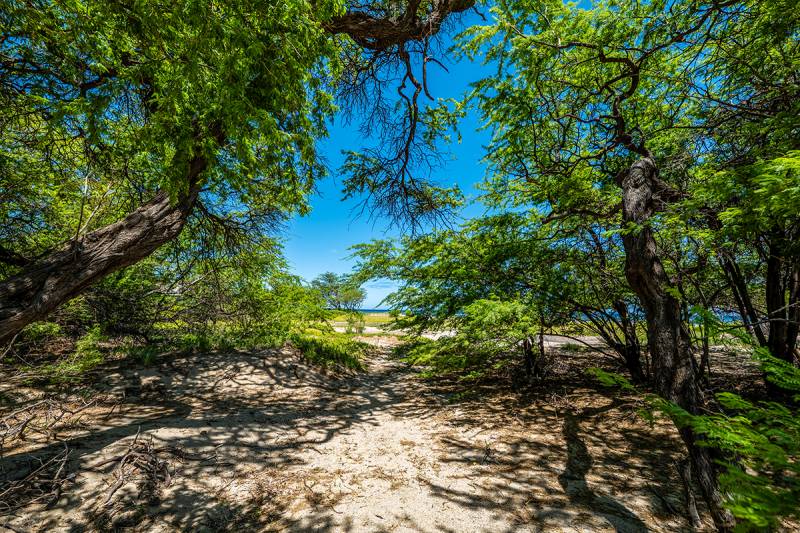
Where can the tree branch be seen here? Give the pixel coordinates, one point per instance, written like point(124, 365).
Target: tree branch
point(376, 31)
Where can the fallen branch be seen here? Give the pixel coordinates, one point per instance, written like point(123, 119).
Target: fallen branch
point(144, 462)
point(44, 483)
point(40, 417)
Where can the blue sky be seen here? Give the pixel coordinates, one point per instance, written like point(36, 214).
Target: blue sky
point(319, 242)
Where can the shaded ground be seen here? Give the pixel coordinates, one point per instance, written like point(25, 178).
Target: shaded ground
point(263, 442)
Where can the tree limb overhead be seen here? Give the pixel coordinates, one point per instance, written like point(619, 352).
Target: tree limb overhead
point(376, 32)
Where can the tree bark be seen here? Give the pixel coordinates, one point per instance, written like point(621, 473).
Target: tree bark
point(527, 352)
point(673, 373)
point(793, 327)
point(778, 332)
point(742, 296)
point(42, 286)
point(781, 281)
point(630, 350)
point(416, 23)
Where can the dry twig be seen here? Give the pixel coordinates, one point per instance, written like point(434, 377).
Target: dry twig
point(43, 484)
point(144, 462)
point(42, 417)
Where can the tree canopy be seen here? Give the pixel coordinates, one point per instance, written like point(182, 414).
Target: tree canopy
point(340, 292)
point(642, 188)
point(642, 168)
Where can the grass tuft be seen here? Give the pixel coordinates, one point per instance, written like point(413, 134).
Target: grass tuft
point(332, 350)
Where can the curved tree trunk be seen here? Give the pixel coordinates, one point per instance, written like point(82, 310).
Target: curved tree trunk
point(45, 284)
point(673, 372)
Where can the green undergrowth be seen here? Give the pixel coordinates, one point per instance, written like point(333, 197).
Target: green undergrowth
point(146, 355)
point(224, 336)
point(323, 347)
point(87, 356)
point(450, 357)
point(33, 336)
point(758, 444)
point(39, 332)
point(331, 350)
point(220, 337)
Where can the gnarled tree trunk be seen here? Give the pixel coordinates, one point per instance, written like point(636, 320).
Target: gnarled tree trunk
point(61, 275)
point(673, 372)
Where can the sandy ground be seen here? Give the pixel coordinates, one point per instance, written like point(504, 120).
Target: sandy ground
point(550, 341)
point(263, 442)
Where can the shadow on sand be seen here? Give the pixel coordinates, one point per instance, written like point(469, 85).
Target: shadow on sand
point(254, 412)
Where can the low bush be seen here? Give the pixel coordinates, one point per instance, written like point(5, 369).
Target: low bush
point(230, 337)
point(452, 355)
point(331, 350)
point(87, 356)
point(39, 332)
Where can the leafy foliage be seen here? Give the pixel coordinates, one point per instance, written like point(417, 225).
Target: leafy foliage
point(610, 379)
point(330, 349)
point(504, 278)
point(105, 102)
point(758, 444)
point(489, 338)
point(39, 331)
point(341, 292)
point(87, 355)
point(761, 443)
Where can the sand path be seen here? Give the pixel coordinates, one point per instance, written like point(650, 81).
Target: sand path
point(268, 443)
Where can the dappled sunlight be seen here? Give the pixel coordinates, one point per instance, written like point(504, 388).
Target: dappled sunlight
point(265, 441)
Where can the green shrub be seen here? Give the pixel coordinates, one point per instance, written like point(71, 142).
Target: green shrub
point(229, 337)
point(147, 354)
point(193, 341)
point(449, 355)
point(331, 350)
point(489, 336)
point(355, 322)
point(762, 442)
point(259, 335)
point(86, 357)
point(40, 331)
point(76, 312)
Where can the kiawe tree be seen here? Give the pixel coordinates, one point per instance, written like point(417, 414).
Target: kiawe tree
point(182, 108)
point(558, 272)
point(626, 116)
point(595, 114)
point(340, 292)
